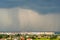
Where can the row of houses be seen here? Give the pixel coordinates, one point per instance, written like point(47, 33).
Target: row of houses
point(37, 33)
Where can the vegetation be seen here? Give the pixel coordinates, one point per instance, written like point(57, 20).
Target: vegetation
point(34, 37)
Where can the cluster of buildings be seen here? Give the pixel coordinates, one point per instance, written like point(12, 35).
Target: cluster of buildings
point(27, 36)
point(37, 33)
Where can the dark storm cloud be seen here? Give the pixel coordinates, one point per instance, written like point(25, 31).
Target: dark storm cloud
point(43, 6)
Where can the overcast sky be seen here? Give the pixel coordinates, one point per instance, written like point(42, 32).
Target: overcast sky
point(29, 15)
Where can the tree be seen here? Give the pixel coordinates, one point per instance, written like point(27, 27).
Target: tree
point(1, 36)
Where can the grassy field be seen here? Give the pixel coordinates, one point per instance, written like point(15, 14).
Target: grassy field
point(41, 39)
point(45, 39)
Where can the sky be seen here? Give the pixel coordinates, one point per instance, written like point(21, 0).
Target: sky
point(29, 15)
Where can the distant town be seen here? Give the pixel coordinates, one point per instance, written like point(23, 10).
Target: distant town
point(29, 36)
point(8, 33)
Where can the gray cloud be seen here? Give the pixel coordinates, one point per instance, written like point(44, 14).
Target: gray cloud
point(20, 19)
point(33, 21)
point(5, 18)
